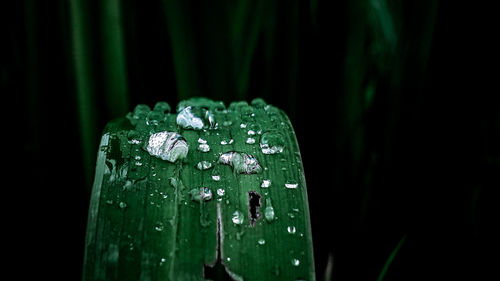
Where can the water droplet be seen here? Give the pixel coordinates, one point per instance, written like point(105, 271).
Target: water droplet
point(265, 183)
point(155, 117)
point(140, 112)
point(241, 163)
point(269, 211)
point(250, 141)
point(272, 142)
point(243, 125)
point(162, 107)
point(200, 140)
point(221, 192)
point(295, 262)
point(227, 123)
point(291, 229)
point(188, 120)
point(134, 137)
point(251, 132)
point(203, 147)
point(261, 241)
point(204, 165)
point(216, 177)
point(168, 146)
point(291, 185)
point(159, 226)
point(228, 259)
point(238, 217)
point(258, 102)
point(123, 205)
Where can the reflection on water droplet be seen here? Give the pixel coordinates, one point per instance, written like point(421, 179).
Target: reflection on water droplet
point(291, 229)
point(241, 163)
point(265, 183)
point(295, 262)
point(200, 140)
point(237, 217)
point(291, 185)
point(168, 146)
point(250, 141)
point(221, 192)
point(243, 125)
point(204, 165)
point(203, 147)
point(261, 241)
point(251, 132)
point(272, 142)
point(159, 226)
point(201, 194)
point(216, 177)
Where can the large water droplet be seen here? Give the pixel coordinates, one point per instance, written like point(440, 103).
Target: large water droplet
point(269, 211)
point(238, 217)
point(272, 142)
point(168, 146)
point(242, 163)
point(188, 120)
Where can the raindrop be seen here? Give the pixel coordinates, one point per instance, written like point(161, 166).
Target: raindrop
point(168, 146)
point(238, 217)
point(201, 194)
point(269, 211)
point(204, 165)
point(203, 147)
point(251, 132)
point(241, 163)
point(216, 177)
point(155, 117)
point(261, 241)
point(243, 125)
point(250, 141)
point(265, 183)
point(295, 262)
point(291, 185)
point(271, 142)
point(162, 107)
point(188, 120)
point(200, 140)
point(291, 229)
point(159, 226)
point(123, 205)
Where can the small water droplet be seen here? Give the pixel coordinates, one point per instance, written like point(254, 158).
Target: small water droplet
point(221, 192)
point(123, 205)
point(216, 177)
point(204, 165)
point(291, 229)
point(228, 259)
point(272, 142)
point(251, 132)
point(261, 241)
point(168, 146)
point(291, 185)
point(269, 211)
point(203, 147)
point(154, 118)
point(250, 141)
point(243, 125)
point(238, 217)
point(295, 262)
point(200, 140)
point(265, 183)
point(159, 226)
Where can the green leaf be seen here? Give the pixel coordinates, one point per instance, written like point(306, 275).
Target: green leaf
point(151, 219)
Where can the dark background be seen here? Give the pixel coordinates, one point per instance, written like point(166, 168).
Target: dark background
point(398, 131)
